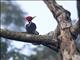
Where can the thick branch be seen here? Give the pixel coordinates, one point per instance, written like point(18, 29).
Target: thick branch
point(18, 36)
point(54, 8)
point(59, 13)
point(62, 16)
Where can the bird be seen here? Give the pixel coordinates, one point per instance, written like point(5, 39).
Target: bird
point(31, 26)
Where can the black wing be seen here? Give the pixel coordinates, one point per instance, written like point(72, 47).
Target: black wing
point(31, 28)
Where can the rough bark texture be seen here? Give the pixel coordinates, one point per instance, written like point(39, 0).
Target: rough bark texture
point(23, 36)
point(67, 47)
point(62, 39)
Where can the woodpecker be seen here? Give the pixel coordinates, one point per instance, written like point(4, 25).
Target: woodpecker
point(31, 27)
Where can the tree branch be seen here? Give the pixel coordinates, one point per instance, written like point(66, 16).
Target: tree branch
point(59, 13)
point(23, 36)
point(62, 16)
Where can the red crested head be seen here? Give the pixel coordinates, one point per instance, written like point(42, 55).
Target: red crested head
point(29, 18)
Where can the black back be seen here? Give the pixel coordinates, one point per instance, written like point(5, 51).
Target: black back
point(31, 28)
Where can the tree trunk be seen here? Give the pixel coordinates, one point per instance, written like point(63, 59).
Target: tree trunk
point(67, 48)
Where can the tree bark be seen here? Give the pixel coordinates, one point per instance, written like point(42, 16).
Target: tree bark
point(67, 47)
point(46, 40)
point(23, 36)
point(62, 38)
